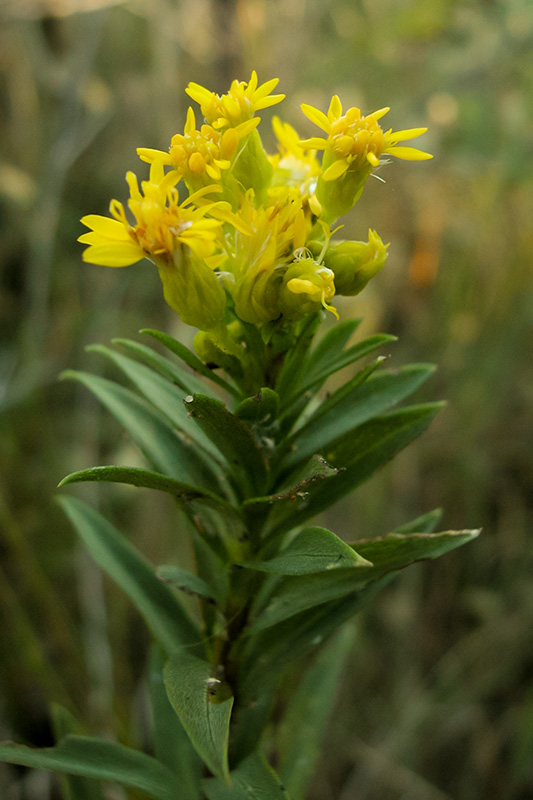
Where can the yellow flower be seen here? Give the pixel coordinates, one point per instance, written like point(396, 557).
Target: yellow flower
point(161, 225)
point(293, 166)
point(277, 230)
point(202, 153)
point(238, 105)
point(355, 138)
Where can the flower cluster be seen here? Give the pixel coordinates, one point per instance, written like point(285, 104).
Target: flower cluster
point(250, 244)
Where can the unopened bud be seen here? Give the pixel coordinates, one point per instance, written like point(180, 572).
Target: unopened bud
point(353, 263)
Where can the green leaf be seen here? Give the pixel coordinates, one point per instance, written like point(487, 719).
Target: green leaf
point(127, 566)
point(320, 371)
point(158, 441)
point(261, 409)
point(253, 779)
point(135, 476)
point(184, 580)
point(352, 405)
point(389, 554)
point(172, 746)
point(426, 523)
point(359, 455)
point(256, 509)
point(74, 787)
point(312, 550)
point(95, 758)
point(397, 550)
point(331, 346)
point(234, 440)
point(189, 683)
point(294, 364)
point(165, 396)
point(304, 727)
point(191, 360)
point(188, 382)
point(270, 651)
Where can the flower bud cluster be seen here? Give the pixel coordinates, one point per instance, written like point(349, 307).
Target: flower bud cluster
point(250, 244)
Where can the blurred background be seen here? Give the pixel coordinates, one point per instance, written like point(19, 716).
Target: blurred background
point(436, 702)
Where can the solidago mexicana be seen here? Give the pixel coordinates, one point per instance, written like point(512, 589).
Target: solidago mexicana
point(251, 243)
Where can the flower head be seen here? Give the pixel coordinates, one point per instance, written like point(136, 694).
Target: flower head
point(161, 226)
point(293, 165)
point(200, 153)
point(353, 137)
point(238, 105)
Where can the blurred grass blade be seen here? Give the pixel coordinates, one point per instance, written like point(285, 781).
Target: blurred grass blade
point(304, 727)
point(95, 758)
point(191, 690)
point(127, 566)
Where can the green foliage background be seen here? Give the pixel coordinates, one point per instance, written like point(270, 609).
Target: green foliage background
point(437, 702)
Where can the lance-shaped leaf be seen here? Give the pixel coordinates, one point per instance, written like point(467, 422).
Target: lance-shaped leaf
point(135, 476)
point(191, 689)
point(390, 554)
point(95, 758)
point(269, 651)
point(304, 727)
point(359, 455)
point(157, 440)
point(312, 550)
point(191, 360)
point(136, 577)
point(172, 746)
point(163, 394)
point(256, 509)
point(294, 364)
point(320, 371)
point(426, 523)
point(253, 779)
point(353, 404)
point(234, 440)
point(397, 550)
point(261, 409)
point(188, 382)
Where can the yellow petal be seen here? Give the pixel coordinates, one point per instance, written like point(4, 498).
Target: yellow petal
point(335, 108)
point(314, 143)
point(266, 102)
point(265, 88)
point(110, 228)
point(372, 159)
point(113, 255)
point(335, 170)
point(316, 116)
point(401, 136)
point(409, 153)
point(148, 154)
point(190, 124)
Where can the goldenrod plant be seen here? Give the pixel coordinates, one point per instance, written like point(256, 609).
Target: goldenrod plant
point(239, 433)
